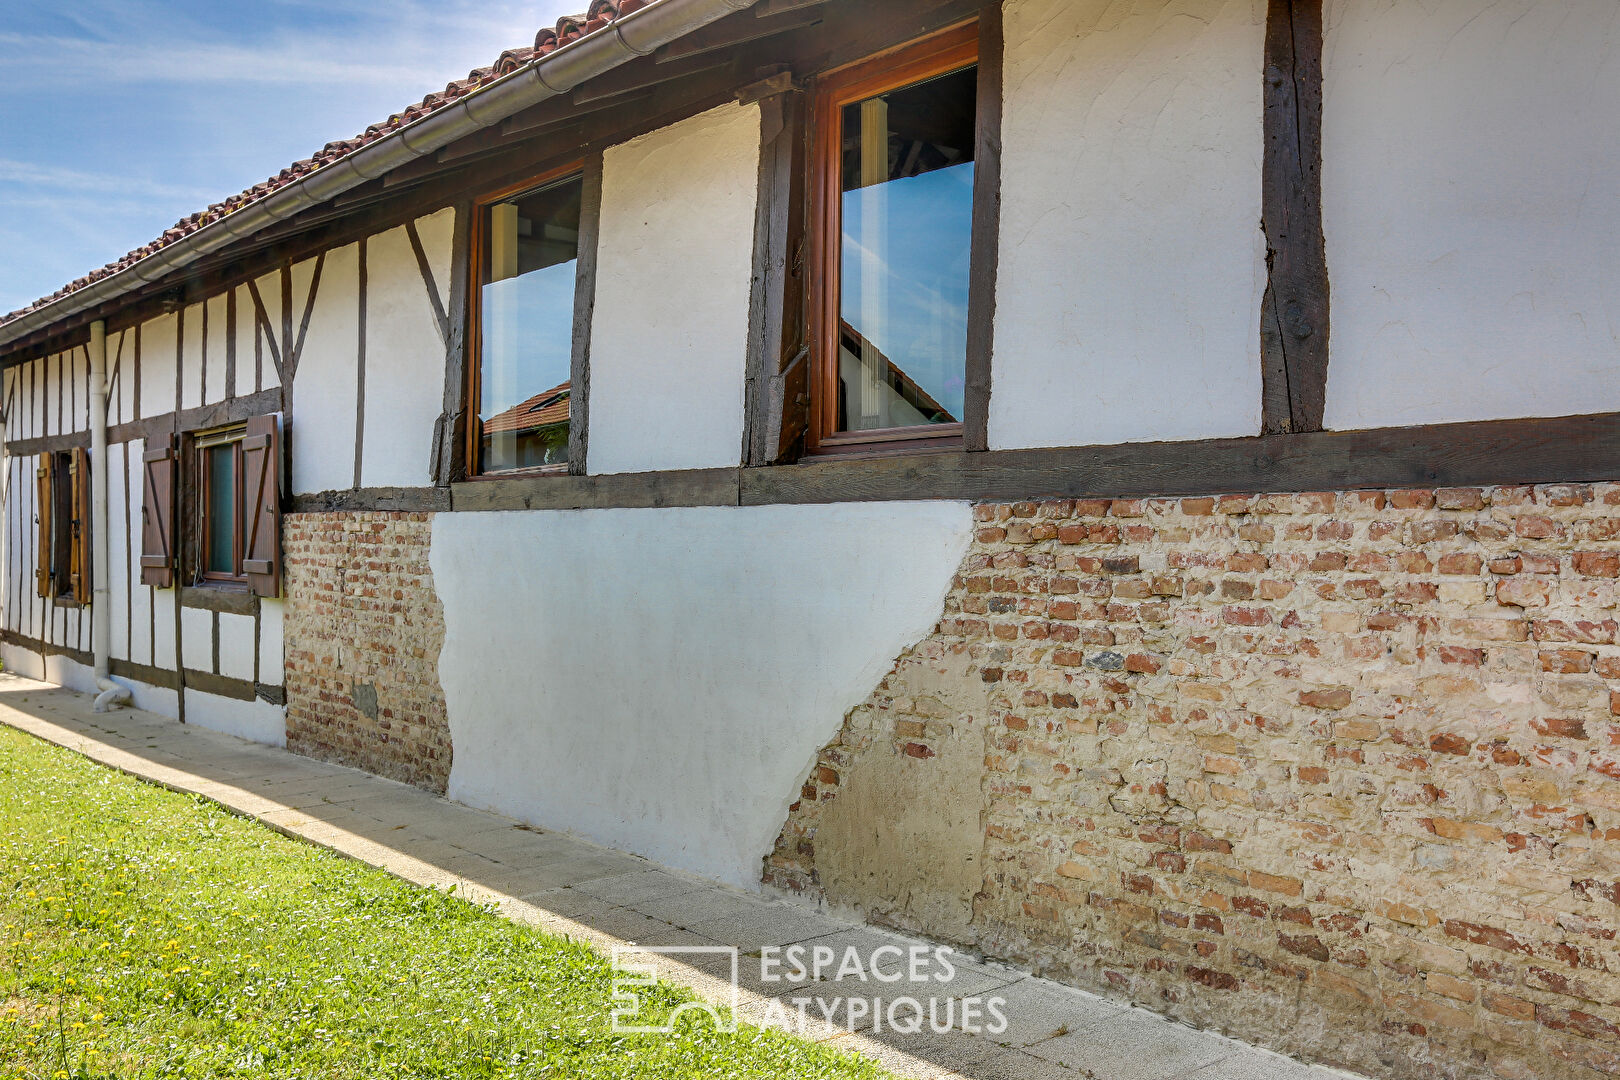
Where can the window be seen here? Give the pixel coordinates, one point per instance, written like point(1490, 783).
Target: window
point(230, 504)
point(221, 467)
point(527, 254)
point(63, 520)
point(893, 223)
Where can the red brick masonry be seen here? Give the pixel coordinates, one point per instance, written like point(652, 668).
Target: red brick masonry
point(1338, 772)
point(363, 632)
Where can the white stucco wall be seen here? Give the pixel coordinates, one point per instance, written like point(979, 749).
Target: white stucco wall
point(326, 382)
point(661, 680)
point(158, 344)
point(236, 646)
point(670, 334)
point(256, 720)
point(404, 353)
point(212, 377)
point(1471, 197)
point(197, 638)
point(193, 342)
point(1132, 262)
point(272, 617)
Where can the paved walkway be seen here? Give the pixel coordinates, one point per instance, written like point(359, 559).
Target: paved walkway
point(610, 899)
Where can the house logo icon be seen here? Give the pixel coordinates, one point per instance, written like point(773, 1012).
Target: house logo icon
point(635, 972)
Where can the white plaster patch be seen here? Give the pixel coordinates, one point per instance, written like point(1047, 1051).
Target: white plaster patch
point(197, 638)
point(272, 614)
point(191, 356)
point(218, 344)
point(268, 334)
point(158, 344)
point(661, 680)
point(163, 618)
point(324, 386)
point(669, 337)
point(1471, 196)
point(404, 354)
point(76, 408)
point(1132, 262)
point(236, 646)
point(258, 721)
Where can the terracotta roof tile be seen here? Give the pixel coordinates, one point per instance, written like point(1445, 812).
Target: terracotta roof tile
point(542, 410)
point(549, 39)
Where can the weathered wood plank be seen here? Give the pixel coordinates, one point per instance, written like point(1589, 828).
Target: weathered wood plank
point(781, 129)
point(450, 434)
point(695, 487)
point(579, 367)
point(986, 253)
point(377, 498)
point(1583, 448)
point(1294, 330)
point(229, 601)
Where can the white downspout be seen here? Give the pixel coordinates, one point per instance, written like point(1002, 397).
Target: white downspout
point(112, 693)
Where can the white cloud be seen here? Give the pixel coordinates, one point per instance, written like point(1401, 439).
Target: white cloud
point(124, 112)
point(29, 174)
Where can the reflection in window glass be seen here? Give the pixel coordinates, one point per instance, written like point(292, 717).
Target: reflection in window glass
point(527, 307)
point(907, 225)
point(220, 557)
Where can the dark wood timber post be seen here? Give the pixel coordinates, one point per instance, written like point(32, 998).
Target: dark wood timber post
point(1294, 315)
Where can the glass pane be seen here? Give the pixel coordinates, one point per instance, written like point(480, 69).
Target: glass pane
point(220, 557)
point(527, 304)
point(907, 224)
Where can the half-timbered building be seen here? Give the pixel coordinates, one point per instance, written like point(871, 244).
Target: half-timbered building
point(1128, 487)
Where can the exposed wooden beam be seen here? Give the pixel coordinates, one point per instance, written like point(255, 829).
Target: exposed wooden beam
point(1294, 326)
point(1534, 451)
point(986, 253)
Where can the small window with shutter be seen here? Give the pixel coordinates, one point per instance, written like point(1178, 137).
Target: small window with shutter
point(159, 465)
point(237, 535)
point(63, 520)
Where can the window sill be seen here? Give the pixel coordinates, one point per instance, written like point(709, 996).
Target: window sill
point(230, 599)
point(859, 451)
point(518, 474)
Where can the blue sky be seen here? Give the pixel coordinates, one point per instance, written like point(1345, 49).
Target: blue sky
point(123, 116)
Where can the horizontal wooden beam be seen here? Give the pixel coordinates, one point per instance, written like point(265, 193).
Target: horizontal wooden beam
point(696, 487)
point(1563, 449)
point(199, 419)
point(162, 678)
point(228, 601)
point(379, 498)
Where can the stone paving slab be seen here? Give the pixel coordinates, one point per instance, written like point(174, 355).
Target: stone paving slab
point(611, 899)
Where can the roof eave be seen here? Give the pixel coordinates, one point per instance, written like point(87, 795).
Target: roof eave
point(636, 34)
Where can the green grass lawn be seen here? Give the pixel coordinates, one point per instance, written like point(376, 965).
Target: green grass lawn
point(149, 934)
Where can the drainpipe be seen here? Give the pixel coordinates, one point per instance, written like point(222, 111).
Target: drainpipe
point(112, 693)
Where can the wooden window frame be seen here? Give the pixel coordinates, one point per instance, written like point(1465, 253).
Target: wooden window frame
point(63, 533)
point(473, 390)
point(948, 51)
point(201, 442)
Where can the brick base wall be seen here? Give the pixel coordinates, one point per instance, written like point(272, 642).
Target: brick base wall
point(363, 632)
point(1336, 773)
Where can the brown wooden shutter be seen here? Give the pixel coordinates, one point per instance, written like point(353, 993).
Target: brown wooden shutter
point(157, 512)
point(79, 557)
point(44, 504)
point(261, 505)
